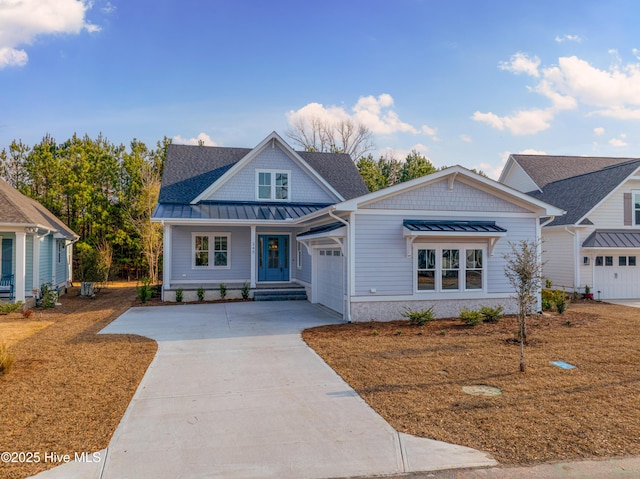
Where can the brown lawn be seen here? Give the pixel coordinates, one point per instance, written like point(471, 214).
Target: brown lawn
point(413, 376)
point(68, 387)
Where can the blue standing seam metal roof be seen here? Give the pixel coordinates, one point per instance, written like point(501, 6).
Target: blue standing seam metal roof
point(321, 229)
point(453, 226)
point(236, 211)
point(613, 239)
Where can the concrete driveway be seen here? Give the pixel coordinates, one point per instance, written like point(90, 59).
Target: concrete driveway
point(234, 392)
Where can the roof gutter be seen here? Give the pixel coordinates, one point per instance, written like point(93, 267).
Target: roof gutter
point(347, 314)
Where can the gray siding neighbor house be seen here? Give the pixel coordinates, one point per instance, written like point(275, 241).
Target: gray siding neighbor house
point(597, 243)
point(36, 247)
point(272, 217)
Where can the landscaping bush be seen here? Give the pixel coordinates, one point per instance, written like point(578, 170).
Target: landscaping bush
point(49, 296)
point(200, 293)
point(179, 295)
point(470, 317)
point(560, 300)
point(223, 290)
point(491, 315)
point(144, 291)
point(245, 291)
point(6, 359)
point(6, 308)
point(418, 317)
point(547, 304)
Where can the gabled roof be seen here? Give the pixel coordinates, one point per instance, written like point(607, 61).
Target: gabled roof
point(579, 194)
point(19, 210)
point(191, 170)
point(545, 169)
point(452, 174)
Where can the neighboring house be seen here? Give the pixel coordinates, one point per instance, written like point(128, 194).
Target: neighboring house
point(272, 216)
point(36, 246)
point(597, 243)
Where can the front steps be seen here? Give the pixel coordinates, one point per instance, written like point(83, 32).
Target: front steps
point(297, 294)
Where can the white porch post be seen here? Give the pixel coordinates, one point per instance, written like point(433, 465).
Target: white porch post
point(253, 256)
point(166, 262)
point(36, 262)
point(21, 266)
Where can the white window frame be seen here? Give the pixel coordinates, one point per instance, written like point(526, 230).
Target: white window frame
point(634, 210)
point(462, 269)
point(212, 235)
point(60, 248)
point(272, 176)
point(299, 255)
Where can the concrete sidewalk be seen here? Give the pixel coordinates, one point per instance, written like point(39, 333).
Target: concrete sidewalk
point(234, 392)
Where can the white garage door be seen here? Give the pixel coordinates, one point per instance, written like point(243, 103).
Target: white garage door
point(616, 277)
point(330, 278)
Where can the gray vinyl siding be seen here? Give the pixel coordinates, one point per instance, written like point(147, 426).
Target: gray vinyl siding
point(28, 283)
point(182, 251)
point(242, 186)
point(381, 260)
point(438, 197)
point(303, 274)
point(45, 260)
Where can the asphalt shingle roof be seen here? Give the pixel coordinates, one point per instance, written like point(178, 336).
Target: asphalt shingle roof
point(545, 169)
point(189, 170)
point(578, 195)
point(18, 209)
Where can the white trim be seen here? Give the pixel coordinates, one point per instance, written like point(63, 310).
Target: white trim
point(299, 246)
point(273, 137)
point(21, 266)
point(167, 231)
point(272, 185)
point(253, 240)
point(207, 281)
point(633, 207)
point(211, 251)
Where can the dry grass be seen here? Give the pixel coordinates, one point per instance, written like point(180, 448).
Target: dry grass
point(413, 377)
point(13, 331)
point(69, 387)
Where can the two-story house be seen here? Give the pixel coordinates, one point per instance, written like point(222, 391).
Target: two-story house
point(597, 243)
point(274, 217)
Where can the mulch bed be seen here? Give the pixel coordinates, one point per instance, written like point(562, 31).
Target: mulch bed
point(413, 376)
point(69, 386)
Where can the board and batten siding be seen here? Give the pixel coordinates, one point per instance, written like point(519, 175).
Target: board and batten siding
point(381, 261)
point(242, 186)
point(28, 283)
point(182, 255)
point(438, 197)
point(304, 273)
point(45, 260)
point(610, 213)
point(62, 268)
point(558, 257)
point(518, 179)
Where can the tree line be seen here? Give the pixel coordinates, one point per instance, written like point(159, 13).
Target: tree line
point(103, 191)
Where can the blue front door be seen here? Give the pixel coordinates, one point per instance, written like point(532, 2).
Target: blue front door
point(7, 256)
point(273, 258)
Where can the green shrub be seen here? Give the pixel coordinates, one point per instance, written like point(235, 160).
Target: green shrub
point(6, 359)
point(145, 291)
point(49, 296)
point(200, 293)
point(179, 295)
point(245, 290)
point(418, 317)
point(547, 304)
point(223, 290)
point(6, 308)
point(560, 300)
point(470, 317)
point(491, 315)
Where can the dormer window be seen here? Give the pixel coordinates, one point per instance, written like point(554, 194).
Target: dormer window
point(272, 185)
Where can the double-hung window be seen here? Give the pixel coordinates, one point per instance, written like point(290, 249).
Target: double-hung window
point(211, 250)
point(635, 198)
point(443, 268)
point(273, 185)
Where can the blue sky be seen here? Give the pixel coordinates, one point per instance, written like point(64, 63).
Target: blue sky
point(463, 82)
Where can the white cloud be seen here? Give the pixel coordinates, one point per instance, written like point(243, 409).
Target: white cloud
point(21, 22)
point(568, 38)
point(108, 8)
point(598, 131)
point(521, 63)
point(432, 132)
point(202, 137)
point(524, 122)
point(465, 138)
point(618, 142)
point(375, 113)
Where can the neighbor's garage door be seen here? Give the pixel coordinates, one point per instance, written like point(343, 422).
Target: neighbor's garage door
point(617, 277)
point(330, 278)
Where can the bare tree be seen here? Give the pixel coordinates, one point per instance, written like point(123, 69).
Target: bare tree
point(343, 136)
point(523, 269)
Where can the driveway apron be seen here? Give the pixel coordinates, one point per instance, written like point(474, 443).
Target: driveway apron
point(234, 392)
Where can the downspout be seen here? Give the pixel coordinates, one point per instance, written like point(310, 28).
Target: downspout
point(347, 315)
point(576, 259)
